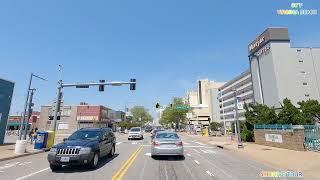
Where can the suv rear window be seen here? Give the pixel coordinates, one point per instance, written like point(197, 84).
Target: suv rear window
point(82, 135)
point(135, 129)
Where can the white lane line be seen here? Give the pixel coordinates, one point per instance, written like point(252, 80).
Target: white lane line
point(199, 143)
point(134, 142)
point(29, 175)
point(197, 162)
point(186, 143)
point(196, 150)
point(209, 173)
point(25, 163)
point(203, 151)
point(145, 145)
point(211, 151)
point(189, 155)
point(9, 165)
point(147, 154)
point(118, 143)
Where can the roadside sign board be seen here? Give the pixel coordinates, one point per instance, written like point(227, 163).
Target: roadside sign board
point(239, 103)
point(274, 138)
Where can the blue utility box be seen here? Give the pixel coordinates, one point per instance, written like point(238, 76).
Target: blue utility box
point(41, 140)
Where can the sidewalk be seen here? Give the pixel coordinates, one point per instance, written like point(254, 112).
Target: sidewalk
point(306, 162)
point(7, 151)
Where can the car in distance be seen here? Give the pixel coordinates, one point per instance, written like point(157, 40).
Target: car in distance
point(84, 147)
point(135, 133)
point(148, 129)
point(153, 132)
point(166, 143)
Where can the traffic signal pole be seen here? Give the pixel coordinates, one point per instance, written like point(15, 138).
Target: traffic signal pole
point(60, 85)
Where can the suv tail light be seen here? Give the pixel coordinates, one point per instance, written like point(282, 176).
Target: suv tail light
point(179, 143)
point(155, 143)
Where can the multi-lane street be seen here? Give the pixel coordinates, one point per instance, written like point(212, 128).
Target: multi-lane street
point(133, 161)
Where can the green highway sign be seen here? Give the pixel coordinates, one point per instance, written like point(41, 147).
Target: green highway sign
point(182, 107)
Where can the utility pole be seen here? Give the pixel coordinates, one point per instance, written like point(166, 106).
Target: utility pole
point(25, 108)
point(237, 123)
point(29, 113)
point(57, 106)
point(22, 125)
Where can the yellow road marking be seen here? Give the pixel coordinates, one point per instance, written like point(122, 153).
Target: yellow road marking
point(126, 164)
point(127, 167)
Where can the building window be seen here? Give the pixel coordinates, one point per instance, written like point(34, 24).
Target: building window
point(298, 50)
point(305, 83)
point(302, 72)
point(300, 61)
point(306, 95)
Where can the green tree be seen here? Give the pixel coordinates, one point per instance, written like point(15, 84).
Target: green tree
point(215, 126)
point(290, 114)
point(123, 124)
point(140, 115)
point(175, 114)
point(310, 110)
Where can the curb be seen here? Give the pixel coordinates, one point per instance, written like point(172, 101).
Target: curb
point(21, 155)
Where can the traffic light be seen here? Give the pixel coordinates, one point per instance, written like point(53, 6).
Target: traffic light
point(157, 105)
point(101, 87)
point(171, 105)
point(133, 85)
point(51, 117)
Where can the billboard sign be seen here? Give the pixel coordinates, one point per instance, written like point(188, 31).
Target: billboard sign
point(270, 34)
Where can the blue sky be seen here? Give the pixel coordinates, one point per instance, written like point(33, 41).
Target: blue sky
point(166, 45)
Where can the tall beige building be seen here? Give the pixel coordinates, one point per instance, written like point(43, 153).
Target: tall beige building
point(203, 109)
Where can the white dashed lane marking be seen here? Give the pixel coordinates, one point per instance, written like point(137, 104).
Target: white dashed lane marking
point(197, 162)
point(189, 155)
point(196, 150)
point(199, 143)
point(209, 173)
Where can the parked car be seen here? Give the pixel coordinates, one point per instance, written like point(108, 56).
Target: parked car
point(166, 143)
point(135, 133)
point(84, 147)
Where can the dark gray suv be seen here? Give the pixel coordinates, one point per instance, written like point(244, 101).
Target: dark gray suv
point(84, 147)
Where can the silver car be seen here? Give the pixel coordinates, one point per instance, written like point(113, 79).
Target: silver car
point(166, 143)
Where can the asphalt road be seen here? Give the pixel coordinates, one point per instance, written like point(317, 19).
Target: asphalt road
point(132, 161)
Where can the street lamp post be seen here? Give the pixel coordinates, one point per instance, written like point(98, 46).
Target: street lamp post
point(237, 123)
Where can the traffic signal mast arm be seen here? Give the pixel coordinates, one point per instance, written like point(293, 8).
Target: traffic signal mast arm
point(112, 83)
